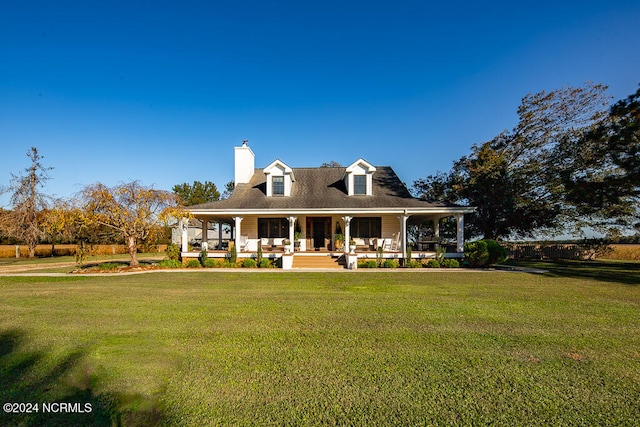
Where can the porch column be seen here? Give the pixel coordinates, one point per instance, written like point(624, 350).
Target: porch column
point(292, 231)
point(205, 234)
point(460, 232)
point(347, 232)
point(219, 235)
point(403, 232)
point(238, 220)
point(184, 227)
point(436, 227)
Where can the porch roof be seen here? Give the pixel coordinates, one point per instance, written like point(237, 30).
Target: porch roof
point(322, 190)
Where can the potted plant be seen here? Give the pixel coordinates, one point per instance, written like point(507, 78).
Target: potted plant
point(287, 245)
point(352, 246)
point(339, 236)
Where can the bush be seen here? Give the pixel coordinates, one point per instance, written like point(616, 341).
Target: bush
point(412, 263)
point(109, 266)
point(264, 263)
point(173, 251)
point(483, 253)
point(170, 263)
point(368, 264)
point(497, 252)
point(233, 254)
point(210, 263)
point(390, 263)
point(432, 263)
point(203, 257)
point(249, 263)
point(476, 253)
point(450, 263)
point(193, 263)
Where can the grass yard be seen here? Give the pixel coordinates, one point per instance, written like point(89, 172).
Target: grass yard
point(347, 348)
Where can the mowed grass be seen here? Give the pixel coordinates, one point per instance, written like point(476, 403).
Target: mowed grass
point(278, 348)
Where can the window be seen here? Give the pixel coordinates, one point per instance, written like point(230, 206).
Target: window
point(278, 185)
point(273, 227)
point(366, 227)
point(360, 184)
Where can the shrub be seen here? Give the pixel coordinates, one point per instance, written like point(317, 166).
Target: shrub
point(497, 252)
point(170, 263)
point(259, 255)
point(228, 264)
point(210, 263)
point(476, 253)
point(379, 254)
point(193, 263)
point(450, 263)
point(233, 254)
point(249, 263)
point(485, 252)
point(203, 257)
point(432, 263)
point(412, 263)
point(367, 264)
point(108, 266)
point(173, 251)
point(264, 263)
point(390, 263)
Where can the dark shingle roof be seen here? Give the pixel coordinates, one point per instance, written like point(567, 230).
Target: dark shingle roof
point(318, 188)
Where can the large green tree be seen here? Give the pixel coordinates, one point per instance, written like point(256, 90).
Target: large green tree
point(196, 193)
point(603, 182)
point(514, 180)
point(25, 220)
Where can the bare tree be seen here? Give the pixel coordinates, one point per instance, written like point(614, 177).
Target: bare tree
point(25, 220)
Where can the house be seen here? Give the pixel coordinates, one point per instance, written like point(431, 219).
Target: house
point(358, 211)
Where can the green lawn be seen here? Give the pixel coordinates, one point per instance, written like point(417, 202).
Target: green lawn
point(350, 348)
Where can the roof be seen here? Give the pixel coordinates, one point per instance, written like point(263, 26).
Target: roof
point(321, 188)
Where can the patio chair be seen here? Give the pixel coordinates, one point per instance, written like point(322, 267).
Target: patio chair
point(244, 241)
point(395, 242)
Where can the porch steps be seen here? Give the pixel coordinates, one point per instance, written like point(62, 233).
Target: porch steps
point(324, 261)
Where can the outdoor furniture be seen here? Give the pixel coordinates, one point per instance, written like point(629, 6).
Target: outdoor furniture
point(272, 243)
point(428, 243)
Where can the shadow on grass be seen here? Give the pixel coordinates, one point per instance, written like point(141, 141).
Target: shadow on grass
point(627, 273)
point(64, 392)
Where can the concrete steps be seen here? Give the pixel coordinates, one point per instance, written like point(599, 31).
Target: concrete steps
point(324, 261)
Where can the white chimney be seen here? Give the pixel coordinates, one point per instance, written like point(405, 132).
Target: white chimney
point(244, 164)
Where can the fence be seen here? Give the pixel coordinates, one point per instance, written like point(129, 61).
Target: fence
point(556, 250)
point(9, 251)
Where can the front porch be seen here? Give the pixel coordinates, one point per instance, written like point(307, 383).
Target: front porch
point(363, 236)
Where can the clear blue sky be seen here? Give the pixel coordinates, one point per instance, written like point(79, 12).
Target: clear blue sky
point(161, 91)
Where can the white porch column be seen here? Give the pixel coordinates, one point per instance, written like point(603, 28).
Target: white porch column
point(205, 234)
point(292, 230)
point(436, 227)
point(403, 233)
point(184, 227)
point(347, 232)
point(238, 220)
point(460, 232)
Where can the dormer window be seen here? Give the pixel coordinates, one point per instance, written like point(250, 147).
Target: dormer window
point(360, 184)
point(278, 185)
point(358, 178)
point(279, 178)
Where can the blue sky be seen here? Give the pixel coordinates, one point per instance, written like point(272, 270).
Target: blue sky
point(161, 91)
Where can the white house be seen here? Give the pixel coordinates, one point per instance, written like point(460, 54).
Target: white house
point(322, 212)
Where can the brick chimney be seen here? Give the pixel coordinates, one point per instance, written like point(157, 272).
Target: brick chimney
point(244, 164)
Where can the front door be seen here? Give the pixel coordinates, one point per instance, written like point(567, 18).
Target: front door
point(319, 233)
